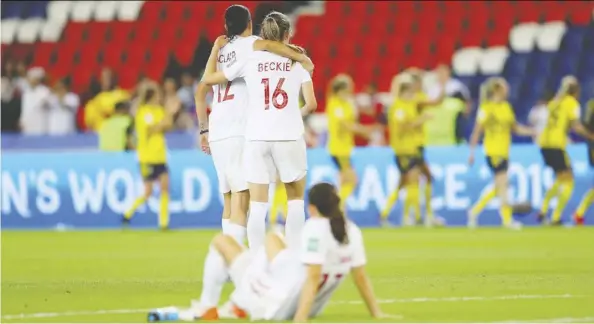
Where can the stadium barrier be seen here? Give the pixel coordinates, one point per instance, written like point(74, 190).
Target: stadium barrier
point(92, 189)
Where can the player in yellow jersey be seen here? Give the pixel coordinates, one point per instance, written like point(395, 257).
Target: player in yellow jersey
point(422, 103)
point(404, 122)
point(580, 213)
point(497, 120)
point(342, 127)
point(564, 114)
point(151, 122)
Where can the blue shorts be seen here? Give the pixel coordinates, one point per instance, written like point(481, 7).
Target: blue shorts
point(151, 172)
point(406, 162)
point(497, 164)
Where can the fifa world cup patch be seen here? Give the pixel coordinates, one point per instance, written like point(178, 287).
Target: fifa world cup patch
point(313, 244)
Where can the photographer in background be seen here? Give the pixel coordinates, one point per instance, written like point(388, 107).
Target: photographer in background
point(62, 107)
point(116, 132)
point(35, 104)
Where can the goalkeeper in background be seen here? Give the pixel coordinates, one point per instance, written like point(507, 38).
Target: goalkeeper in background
point(588, 199)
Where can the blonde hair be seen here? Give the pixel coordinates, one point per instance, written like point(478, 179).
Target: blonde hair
point(400, 83)
point(489, 87)
point(569, 86)
point(275, 26)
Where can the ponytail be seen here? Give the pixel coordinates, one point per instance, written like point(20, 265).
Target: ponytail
point(275, 26)
point(237, 20)
point(323, 196)
point(338, 226)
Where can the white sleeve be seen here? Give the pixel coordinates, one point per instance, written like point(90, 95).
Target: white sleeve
point(72, 101)
point(236, 68)
point(303, 74)
point(313, 246)
point(356, 242)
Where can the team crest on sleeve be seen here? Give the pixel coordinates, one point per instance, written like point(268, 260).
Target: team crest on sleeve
point(313, 244)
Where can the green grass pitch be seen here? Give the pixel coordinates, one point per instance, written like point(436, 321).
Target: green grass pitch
point(422, 275)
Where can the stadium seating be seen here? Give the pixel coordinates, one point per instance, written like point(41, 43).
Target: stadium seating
point(532, 43)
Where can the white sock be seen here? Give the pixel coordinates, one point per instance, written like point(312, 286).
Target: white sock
point(214, 277)
point(225, 224)
point(294, 223)
point(237, 232)
point(256, 224)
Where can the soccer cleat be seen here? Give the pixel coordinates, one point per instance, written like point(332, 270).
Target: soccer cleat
point(514, 225)
point(230, 311)
point(203, 313)
point(579, 219)
point(125, 221)
point(557, 223)
point(541, 218)
point(435, 221)
point(386, 223)
point(166, 314)
point(471, 221)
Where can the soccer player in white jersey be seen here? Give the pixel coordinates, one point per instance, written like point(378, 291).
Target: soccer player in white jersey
point(274, 127)
point(278, 283)
point(223, 136)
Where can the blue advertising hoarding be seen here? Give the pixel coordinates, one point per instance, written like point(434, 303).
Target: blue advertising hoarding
point(93, 189)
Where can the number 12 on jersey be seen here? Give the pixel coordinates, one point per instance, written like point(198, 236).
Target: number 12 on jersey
point(227, 95)
point(278, 91)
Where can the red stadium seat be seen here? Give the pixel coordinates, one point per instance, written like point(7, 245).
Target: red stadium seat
point(81, 78)
point(43, 54)
point(74, 32)
point(185, 53)
point(113, 56)
point(128, 78)
point(97, 31)
point(144, 32)
point(120, 32)
point(581, 14)
point(152, 11)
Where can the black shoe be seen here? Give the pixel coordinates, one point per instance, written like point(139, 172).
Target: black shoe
point(557, 223)
point(125, 221)
point(541, 218)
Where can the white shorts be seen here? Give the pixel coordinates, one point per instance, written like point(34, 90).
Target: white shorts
point(262, 158)
point(227, 155)
point(267, 291)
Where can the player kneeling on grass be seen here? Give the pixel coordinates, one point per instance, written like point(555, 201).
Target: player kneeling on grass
point(280, 282)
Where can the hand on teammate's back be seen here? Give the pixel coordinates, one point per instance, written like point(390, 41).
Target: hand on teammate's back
point(221, 41)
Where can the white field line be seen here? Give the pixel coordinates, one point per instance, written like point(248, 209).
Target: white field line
point(555, 320)
point(382, 301)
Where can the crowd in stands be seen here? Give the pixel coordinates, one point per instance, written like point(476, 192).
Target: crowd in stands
point(34, 105)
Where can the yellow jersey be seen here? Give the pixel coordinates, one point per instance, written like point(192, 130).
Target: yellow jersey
point(420, 97)
point(341, 141)
point(497, 120)
point(562, 112)
point(151, 147)
point(403, 142)
point(102, 106)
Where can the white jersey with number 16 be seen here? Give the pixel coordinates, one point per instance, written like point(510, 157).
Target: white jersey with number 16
point(230, 100)
point(273, 82)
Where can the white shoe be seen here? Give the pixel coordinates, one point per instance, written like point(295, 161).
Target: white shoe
point(471, 221)
point(514, 225)
point(436, 221)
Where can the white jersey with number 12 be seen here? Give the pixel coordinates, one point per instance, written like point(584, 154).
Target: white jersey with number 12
point(274, 82)
point(230, 100)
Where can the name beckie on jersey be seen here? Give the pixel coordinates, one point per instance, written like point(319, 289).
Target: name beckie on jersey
point(274, 66)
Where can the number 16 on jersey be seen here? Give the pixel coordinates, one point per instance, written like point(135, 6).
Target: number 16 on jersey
point(278, 91)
